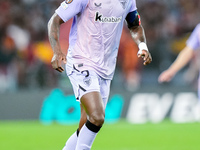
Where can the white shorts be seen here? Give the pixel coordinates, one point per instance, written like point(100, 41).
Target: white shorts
point(85, 81)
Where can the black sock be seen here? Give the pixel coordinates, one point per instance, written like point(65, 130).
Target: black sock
point(92, 127)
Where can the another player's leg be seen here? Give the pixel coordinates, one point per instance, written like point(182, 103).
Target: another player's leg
point(72, 141)
point(95, 110)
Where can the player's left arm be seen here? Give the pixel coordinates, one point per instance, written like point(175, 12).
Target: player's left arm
point(138, 35)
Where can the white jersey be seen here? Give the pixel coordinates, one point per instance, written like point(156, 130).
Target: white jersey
point(95, 33)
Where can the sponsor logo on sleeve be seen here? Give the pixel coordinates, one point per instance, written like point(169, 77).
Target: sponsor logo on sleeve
point(68, 1)
point(64, 5)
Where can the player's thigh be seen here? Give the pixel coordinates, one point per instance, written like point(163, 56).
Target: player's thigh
point(94, 107)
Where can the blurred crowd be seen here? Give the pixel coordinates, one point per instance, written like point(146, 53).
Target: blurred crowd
point(25, 53)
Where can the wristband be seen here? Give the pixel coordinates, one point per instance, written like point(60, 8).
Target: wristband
point(142, 46)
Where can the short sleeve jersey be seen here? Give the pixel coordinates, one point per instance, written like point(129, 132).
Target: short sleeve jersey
point(95, 33)
point(194, 39)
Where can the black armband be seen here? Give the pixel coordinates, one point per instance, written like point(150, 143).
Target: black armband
point(135, 22)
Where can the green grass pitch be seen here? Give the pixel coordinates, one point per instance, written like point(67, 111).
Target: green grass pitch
point(32, 135)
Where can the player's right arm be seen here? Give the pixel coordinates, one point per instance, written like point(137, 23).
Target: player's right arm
point(53, 33)
point(183, 58)
point(67, 10)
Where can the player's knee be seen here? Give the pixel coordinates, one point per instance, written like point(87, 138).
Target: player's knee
point(97, 119)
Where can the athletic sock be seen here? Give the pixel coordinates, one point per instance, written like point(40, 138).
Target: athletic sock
point(86, 136)
point(71, 142)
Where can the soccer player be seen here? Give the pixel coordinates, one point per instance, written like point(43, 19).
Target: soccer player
point(193, 44)
point(91, 59)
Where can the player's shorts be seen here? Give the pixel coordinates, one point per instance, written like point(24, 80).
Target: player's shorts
point(86, 81)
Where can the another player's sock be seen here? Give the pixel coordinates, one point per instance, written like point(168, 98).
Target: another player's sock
point(86, 136)
point(71, 142)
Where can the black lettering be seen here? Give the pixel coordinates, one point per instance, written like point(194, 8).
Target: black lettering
point(98, 17)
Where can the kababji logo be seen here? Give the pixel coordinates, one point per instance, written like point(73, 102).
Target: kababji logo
point(99, 17)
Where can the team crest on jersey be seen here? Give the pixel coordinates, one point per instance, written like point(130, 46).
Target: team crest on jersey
point(123, 3)
point(68, 1)
point(87, 81)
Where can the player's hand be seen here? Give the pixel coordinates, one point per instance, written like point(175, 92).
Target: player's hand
point(57, 60)
point(166, 76)
point(146, 56)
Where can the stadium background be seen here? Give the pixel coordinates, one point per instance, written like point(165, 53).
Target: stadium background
point(27, 79)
